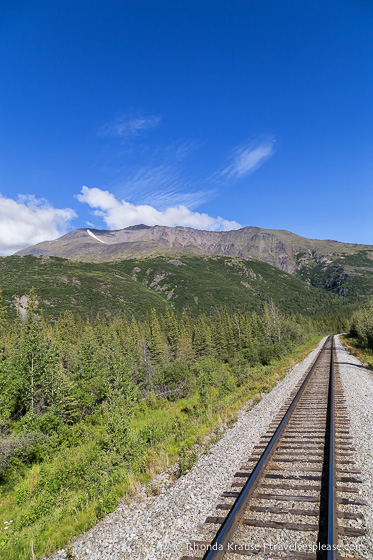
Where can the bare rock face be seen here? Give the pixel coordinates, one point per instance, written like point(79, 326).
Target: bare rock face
point(279, 248)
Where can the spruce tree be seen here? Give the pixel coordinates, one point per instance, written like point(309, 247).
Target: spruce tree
point(31, 358)
point(3, 326)
point(156, 342)
point(3, 314)
point(172, 332)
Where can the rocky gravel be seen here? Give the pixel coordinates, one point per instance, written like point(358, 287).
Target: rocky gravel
point(161, 527)
point(358, 391)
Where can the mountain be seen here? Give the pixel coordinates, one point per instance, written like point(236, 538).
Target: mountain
point(135, 286)
point(343, 268)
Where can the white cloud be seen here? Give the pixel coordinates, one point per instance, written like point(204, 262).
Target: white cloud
point(249, 158)
point(27, 221)
point(130, 127)
point(118, 214)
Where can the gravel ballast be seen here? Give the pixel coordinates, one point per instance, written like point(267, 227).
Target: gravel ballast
point(161, 527)
point(358, 391)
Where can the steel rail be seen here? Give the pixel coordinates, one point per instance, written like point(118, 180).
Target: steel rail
point(332, 519)
point(219, 545)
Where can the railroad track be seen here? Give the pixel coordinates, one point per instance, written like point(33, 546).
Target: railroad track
point(297, 496)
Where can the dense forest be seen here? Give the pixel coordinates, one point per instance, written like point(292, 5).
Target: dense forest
point(89, 407)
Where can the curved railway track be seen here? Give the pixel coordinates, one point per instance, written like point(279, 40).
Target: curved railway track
point(297, 496)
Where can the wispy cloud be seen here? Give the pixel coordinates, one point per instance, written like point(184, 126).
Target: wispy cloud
point(28, 220)
point(248, 158)
point(127, 127)
point(119, 214)
point(181, 150)
point(161, 186)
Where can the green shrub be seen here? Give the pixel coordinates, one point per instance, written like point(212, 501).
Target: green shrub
point(187, 459)
point(151, 433)
point(23, 448)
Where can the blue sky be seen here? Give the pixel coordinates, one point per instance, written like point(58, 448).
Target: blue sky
point(211, 114)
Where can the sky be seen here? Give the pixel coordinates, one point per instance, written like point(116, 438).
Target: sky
point(212, 114)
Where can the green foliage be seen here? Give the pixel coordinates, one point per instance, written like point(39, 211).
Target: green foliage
point(200, 285)
point(89, 405)
point(87, 288)
point(349, 275)
point(69, 553)
point(151, 433)
point(187, 460)
point(118, 434)
point(3, 315)
point(16, 450)
point(362, 326)
point(203, 284)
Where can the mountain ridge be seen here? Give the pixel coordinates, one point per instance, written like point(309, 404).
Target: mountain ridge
point(281, 248)
point(135, 268)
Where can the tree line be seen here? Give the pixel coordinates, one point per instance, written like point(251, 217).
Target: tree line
point(68, 368)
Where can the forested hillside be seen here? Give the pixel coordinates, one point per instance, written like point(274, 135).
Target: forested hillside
point(347, 275)
point(134, 286)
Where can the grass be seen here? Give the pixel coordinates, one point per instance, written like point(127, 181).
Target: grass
point(44, 505)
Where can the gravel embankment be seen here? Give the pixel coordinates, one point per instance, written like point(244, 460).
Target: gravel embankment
point(358, 391)
point(160, 528)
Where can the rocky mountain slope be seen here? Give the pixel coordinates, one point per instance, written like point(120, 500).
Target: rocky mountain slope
point(344, 268)
point(280, 248)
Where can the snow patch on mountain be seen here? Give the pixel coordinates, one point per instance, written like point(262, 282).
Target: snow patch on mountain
point(95, 236)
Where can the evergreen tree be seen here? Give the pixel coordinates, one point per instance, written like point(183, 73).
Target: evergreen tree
point(172, 332)
point(203, 344)
point(90, 381)
point(31, 359)
point(3, 326)
point(184, 349)
point(3, 314)
point(219, 337)
point(156, 342)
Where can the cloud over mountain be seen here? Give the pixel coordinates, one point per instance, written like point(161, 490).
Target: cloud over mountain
point(119, 214)
point(30, 220)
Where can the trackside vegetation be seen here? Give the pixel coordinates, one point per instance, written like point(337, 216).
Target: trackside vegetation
point(362, 326)
point(360, 339)
point(90, 409)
